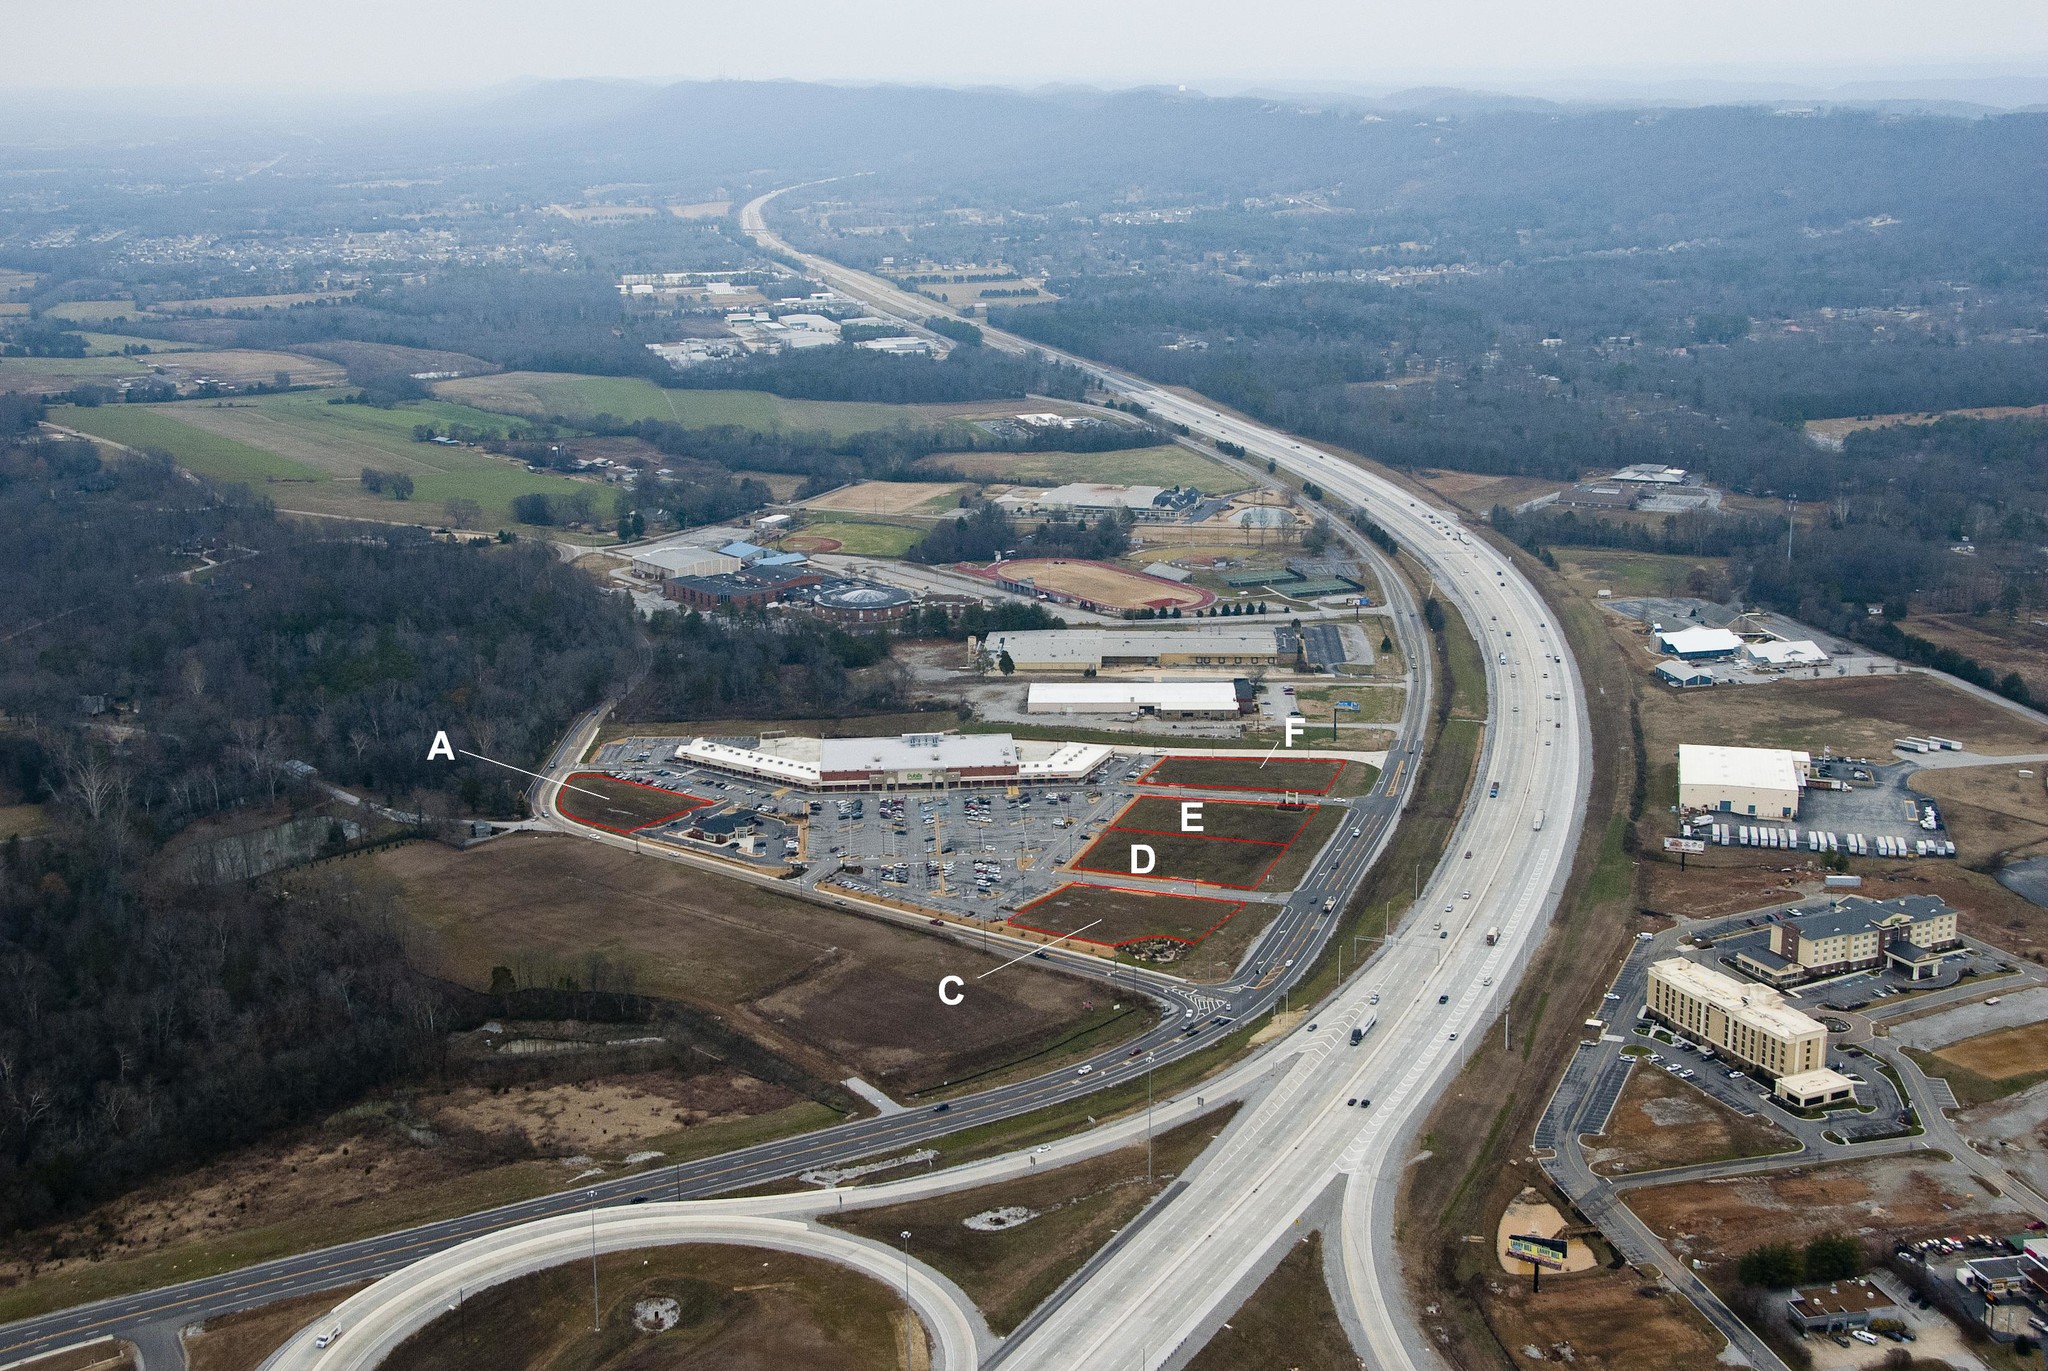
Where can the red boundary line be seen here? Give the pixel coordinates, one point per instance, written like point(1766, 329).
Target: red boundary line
point(1259, 880)
point(562, 804)
point(1328, 786)
point(1236, 908)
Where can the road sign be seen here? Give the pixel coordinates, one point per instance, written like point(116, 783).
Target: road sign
point(1347, 704)
point(1693, 845)
point(1549, 1252)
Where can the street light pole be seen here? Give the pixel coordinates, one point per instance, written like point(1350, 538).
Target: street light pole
point(905, 1235)
point(596, 1320)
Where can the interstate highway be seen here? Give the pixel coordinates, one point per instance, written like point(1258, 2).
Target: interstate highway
point(1168, 1287)
point(1306, 1134)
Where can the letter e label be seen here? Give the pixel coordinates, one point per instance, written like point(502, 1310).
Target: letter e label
point(1191, 816)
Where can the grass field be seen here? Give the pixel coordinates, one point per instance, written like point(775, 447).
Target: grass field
point(48, 375)
point(110, 344)
point(2000, 1056)
point(1115, 918)
point(241, 1342)
point(866, 540)
point(1288, 1322)
point(1632, 573)
point(890, 497)
point(1166, 465)
point(1306, 776)
point(92, 311)
point(2020, 646)
point(309, 455)
point(1240, 847)
point(1376, 704)
point(1078, 1208)
point(621, 806)
point(740, 1307)
point(839, 994)
point(538, 394)
point(1993, 812)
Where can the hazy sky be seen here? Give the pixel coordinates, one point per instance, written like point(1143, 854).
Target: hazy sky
point(443, 44)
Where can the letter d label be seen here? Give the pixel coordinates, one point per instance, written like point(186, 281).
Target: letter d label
point(1150, 859)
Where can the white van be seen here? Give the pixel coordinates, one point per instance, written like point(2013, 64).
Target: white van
point(329, 1338)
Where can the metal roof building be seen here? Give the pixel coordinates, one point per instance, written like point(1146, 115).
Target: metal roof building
point(1167, 699)
point(1098, 649)
point(1697, 641)
point(1759, 781)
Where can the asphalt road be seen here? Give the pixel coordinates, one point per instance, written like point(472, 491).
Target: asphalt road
point(1421, 996)
point(1301, 1132)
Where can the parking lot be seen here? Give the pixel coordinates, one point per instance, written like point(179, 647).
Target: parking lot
point(974, 853)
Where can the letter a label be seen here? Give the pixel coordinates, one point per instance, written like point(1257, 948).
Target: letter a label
point(1150, 859)
point(441, 748)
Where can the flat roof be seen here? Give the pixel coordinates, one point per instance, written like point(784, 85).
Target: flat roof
point(1087, 646)
point(1819, 1081)
point(1781, 652)
point(1699, 638)
point(1842, 1297)
point(1217, 695)
point(675, 557)
point(1757, 1005)
point(917, 752)
point(1752, 768)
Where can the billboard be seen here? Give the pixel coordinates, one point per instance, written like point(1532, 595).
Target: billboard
point(1693, 845)
point(1528, 1247)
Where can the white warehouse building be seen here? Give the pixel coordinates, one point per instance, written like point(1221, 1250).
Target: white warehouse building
point(1166, 699)
point(1761, 782)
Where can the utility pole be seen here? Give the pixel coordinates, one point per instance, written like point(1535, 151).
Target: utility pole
point(1148, 1118)
point(596, 1319)
point(1791, 508)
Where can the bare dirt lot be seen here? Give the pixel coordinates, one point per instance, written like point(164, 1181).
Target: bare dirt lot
point(1660, 1121)
point(2002, 1055)
point(840, 994)
point(1858, 715)
point(1717, 1221)
point(890, 497)
point(607, 1117)
point(1196, 937)
point(1993, 813)
point(1100, 583)
point(1836, 429)
point(1600, 1321)
point(1478, 493)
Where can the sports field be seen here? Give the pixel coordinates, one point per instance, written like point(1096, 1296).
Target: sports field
point(1302, 775)
point(2009, 1052)
point(1240, 844)
point(861, 540)
point(308, 455)
point(618, 806)
point(1098, 584)
point(1141, 466)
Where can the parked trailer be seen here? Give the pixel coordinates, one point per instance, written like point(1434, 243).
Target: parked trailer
point(1912, 745)
point(1945, 744)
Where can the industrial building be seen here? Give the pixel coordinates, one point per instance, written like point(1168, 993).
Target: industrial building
point(1685, 675)
point(1650, 474)
point(1909, 935)
point(1763, 782)
point(1749, 1024)
point(1108, 649)
point(912, 761)
point(1699, 643)
point(1165, 699)
point(1780, 654)
point(662, 563)
point(1088, 497)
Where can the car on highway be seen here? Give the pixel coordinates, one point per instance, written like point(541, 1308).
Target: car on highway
point(1443, 999)
point(1452, 1038)
point(941, 1108)
point(1084, 1070)
point(1351, 1103)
